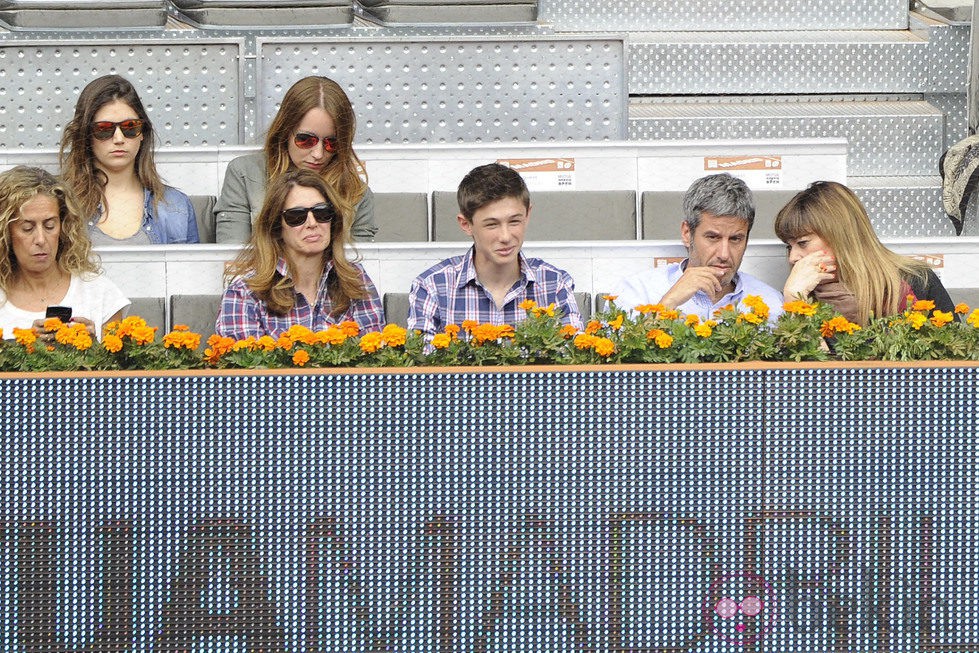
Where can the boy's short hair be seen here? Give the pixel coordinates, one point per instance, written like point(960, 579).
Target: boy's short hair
point(489, 183)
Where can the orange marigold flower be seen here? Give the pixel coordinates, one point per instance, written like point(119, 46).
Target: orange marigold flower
point(332, 335)
point(916, 320)
point(800, 307)
point(184, 339)
point(962, 308)
point(941, 318)
point(284, 342)
point(452, 331)
point(616, 324)
point(973, 319)
point(584, 341)
point(143, 335)
point(604, 347)
point(265, 343)
point(83, 340)
point(593, 326)
point(923, 305)
point(181, 327)
point(568, 331)
point(752, 318)
point(394, 335)
point(300, 358)
point(610, 298)
point(350, 328)
point(469, 325)
point(711, 323)
point(371, 342)
point(838, 324)
point(112, 343)
point(663, 340)
point(247, 344)
point(646, 309)
point(703, 330)
point(441, 340)
point(27, 337)
point(544, 310)
point(53, 324)
point(528, 304)
point(692, 320)
point(65, 335)
point(669, 314)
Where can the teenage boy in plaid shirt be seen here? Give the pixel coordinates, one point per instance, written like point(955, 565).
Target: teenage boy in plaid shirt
point(488, 283)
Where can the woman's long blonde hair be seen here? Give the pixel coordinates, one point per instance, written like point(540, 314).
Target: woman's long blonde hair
point(345, 172)
point(20, 185)
point(259, 259)
point(875, 275)
point(76, 157)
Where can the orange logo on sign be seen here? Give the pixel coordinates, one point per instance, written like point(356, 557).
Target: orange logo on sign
point(760, 162)
point(539, 165)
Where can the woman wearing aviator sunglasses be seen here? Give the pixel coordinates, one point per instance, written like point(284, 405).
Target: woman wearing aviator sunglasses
point(107, 160)
point(294, 269)
point(313, 130)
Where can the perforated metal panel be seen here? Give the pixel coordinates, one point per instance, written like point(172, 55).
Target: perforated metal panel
point(907, 207)
point(491, 511)
point(189, 88)
point(723, 15)
point(456, 90)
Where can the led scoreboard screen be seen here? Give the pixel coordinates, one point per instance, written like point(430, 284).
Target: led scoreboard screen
point(729, 509)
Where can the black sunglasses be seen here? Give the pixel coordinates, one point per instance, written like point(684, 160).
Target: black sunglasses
point(296, 217)
point(103, 130)
point(307, 141)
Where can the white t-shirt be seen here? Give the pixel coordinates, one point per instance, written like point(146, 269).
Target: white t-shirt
point(91, 296)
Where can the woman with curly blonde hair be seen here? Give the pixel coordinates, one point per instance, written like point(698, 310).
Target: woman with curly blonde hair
point(49, 260)
point(313, 130)
point(294, 269)
point(836, 258)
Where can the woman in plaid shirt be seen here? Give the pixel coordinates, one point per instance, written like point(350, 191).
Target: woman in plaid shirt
point(294, 270)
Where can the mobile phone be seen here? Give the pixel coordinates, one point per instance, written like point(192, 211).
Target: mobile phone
point(63, 313)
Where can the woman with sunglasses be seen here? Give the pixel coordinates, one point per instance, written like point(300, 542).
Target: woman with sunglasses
point(294, 270)
point(313, 130)
point(107, 160)
point(837, 259)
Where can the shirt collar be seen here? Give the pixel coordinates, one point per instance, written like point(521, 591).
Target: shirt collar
point(467, 268)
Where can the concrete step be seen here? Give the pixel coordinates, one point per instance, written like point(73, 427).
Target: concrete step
point(895, 135)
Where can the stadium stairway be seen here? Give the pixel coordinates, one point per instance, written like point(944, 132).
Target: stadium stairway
point(890, 81)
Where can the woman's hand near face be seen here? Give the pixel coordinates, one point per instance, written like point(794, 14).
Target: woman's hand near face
point(807, 273)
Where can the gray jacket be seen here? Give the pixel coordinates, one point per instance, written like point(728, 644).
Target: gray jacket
point(244, 191)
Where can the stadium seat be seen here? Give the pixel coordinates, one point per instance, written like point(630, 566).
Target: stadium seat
point(82, 14)
point(662, 213)
point(216, 14)
point(204, 208)
point(451, 11)
point(555, 215)
point(199, 312)
point(151, 309)
point(401, 217)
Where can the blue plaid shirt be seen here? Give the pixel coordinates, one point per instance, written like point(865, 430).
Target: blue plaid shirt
point(448, 293)
point(243, 314)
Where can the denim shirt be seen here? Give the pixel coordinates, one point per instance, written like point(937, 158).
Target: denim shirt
point(173, 223)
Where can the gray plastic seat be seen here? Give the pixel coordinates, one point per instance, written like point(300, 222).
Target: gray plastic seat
point(151, 309)
point(452, 11)
point(204, 208)
point(554, 215)
point(662, 213)
point(216, 14)
point(82, 14)
point(401, 217)
point(199, 312)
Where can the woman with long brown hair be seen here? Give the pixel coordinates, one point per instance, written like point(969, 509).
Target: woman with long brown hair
point(837, 258)
point(313, 130)
point(294, 269)
point(107, 160)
